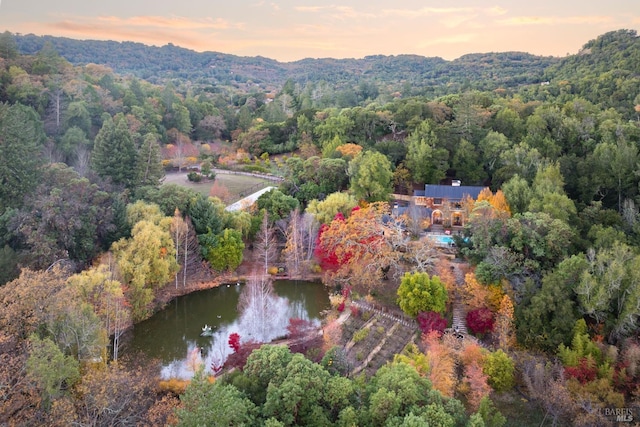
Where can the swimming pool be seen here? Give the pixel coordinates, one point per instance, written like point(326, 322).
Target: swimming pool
point(445, 240)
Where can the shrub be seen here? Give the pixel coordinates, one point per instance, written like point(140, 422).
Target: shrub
point(431, 321)
point(173, 385)
point(194, 177)
point(360, 335)
point(500, 368)
point(335, 361)
point(480, 320)
point(585, 372)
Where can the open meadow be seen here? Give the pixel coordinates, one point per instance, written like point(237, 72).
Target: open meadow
point(238, 186)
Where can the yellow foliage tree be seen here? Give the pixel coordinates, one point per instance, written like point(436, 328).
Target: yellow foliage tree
point(504, 327)
point(413, 357)
point(500, 204)
point(349, 150)
point(497, 204)
point(147, 262)
point(475, 294)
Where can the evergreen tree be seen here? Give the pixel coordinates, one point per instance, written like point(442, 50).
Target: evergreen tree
point(114, 154)
point(8, 46)
point(21, 137)
point(149, 165)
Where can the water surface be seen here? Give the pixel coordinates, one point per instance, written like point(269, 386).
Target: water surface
point(173, 335)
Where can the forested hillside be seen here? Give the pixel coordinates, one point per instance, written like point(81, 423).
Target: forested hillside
point(422, 75)
point(544, 271)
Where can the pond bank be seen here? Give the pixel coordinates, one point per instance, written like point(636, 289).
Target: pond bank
point(171, 292)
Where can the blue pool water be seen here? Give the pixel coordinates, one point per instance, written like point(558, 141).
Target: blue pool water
point(444, 240)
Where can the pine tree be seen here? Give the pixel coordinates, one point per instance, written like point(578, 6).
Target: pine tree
point(148, 163)
point(21, 137)
point(114, 153)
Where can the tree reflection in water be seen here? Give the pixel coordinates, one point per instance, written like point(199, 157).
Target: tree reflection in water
point(262, 316)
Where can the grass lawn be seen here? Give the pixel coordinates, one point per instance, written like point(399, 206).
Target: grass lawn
point(239, 186)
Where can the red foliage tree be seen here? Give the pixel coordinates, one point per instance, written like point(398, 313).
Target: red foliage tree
point(585, 372)
point(480, 320)
point(354, 311)
point(327, 260)
point(299, 328)
point(431, 321)
point(234, 342)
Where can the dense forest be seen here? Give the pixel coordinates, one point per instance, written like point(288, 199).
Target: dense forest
point(417, 74)
point(92, 240)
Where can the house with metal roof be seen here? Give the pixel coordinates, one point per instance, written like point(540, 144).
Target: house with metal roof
point(444, 204)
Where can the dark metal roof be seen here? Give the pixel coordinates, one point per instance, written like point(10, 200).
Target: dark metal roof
point(451, 192)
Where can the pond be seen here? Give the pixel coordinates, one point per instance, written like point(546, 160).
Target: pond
point(255, 311)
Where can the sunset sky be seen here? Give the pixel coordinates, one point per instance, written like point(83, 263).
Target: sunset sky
point(288, 30)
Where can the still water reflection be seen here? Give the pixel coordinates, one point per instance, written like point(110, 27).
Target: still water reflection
point(173, 335)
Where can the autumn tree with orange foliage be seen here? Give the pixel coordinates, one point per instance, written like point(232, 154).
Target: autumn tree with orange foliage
point(331, 334)
point(471, 352)
point(349, 150)
point(475, 294)
point(442, 364)
point(497, 201)
point(220, 191)
point(364, 246)
point(475, 385)
point(444, 270)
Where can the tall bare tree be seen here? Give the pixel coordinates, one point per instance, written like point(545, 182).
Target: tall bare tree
point(293, 252)
point(187, 248)
point(266, 244)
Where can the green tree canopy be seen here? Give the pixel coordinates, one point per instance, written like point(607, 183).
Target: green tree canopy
point(21, 139)
point(425, 159)
point(371, 176)
point(419, 292)
point(114, 153)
